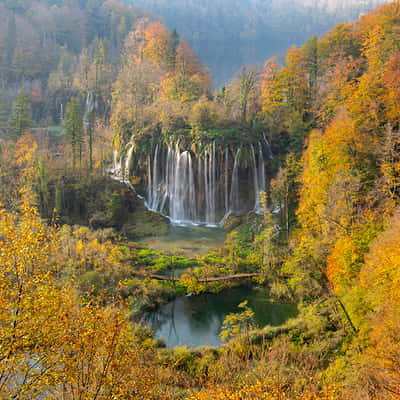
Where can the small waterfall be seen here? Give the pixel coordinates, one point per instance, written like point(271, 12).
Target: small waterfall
point(117, 164)
point(192, 191)
point(89, 106)
point(271, 156)
point(256, 180)
point(259, 178)
point(155, 198)
point(226, 181)
point(234, 195)
point(123, 176)
point(149, 184)
point(261, 172)
point(128, 161)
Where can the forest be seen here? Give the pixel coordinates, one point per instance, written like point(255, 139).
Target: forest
point(228, 34)
point(112, 136)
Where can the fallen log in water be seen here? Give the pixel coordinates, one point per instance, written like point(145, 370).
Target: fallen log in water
point(203, 280)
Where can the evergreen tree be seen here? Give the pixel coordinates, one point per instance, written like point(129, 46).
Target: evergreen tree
point(89, 132)
point(11, 43)
point(174, 43)
point(21, 119)
point(3, 115)
point(73, 125)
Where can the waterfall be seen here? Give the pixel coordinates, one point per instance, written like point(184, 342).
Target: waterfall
point(213, 199)
point(261, 174)
point(210, 185)
point(128, 161)
point(259, 178)
point(206, 189)
point(256, 180)
point(89, 106)
point(155, 184)
point(226, 181)
point(193, 189)
point(117, 164)
point(234, 195)
point(271, 156)
point(183, 200)
point(149, 184)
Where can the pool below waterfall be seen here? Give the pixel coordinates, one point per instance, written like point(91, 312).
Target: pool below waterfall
point(196, 320)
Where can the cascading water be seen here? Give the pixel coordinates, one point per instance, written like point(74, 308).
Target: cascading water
point(89, 107)
point(128, 161)
point(199, 189)
point(259, 178)
point(226, 181)
point(234, 201)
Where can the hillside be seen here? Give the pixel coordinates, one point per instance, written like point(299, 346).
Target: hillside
point(229, 34)
point(58, 49)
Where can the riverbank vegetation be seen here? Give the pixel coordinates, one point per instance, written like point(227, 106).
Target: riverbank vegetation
point(74, 280)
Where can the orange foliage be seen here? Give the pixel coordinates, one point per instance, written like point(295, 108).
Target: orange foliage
point(262, 391)
point(158, 43)
point(381, 277)
point(188, 79)
point(391, 80)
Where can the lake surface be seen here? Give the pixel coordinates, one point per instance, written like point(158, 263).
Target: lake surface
point(196, 320)
point(188, 241)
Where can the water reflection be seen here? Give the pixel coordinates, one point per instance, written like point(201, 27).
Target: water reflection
point(196, 320)
point(187, 241)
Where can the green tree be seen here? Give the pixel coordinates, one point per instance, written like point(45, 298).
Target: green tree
point(11, 43)
point(73, 125)
point(237, 323)
point(89, 132)
point(21, 119)
point(247, 83)
point(3, 115)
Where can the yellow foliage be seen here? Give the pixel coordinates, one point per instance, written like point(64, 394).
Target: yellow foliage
point(52, 345)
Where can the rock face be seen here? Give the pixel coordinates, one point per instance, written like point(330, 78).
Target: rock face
point(227, 34)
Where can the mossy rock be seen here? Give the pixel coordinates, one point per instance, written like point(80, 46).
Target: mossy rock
point(231, 223)
point(144, 223)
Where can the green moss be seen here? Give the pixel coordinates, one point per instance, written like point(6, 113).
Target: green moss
point(143, 223)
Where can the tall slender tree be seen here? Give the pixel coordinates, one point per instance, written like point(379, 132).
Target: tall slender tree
point(11, 43)
point(3, 115)
point(21, 119)
point(73, 125)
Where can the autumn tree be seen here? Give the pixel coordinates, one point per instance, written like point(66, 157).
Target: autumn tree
point(54, 345)
point(158, 43)
point(247, 82)
point(189, 79)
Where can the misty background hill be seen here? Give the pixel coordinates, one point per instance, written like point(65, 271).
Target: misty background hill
point(227, 34)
